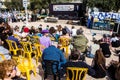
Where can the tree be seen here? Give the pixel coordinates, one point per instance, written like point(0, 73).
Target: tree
point(13, 4)
point(105, 5)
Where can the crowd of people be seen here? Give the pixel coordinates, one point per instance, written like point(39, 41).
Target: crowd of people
point(50, 41)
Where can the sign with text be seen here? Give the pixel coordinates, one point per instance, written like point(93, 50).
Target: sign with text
point(25, 3)
point(63, 7)
point(106, 15)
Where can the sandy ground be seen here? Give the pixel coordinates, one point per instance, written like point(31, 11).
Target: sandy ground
point(87, 32)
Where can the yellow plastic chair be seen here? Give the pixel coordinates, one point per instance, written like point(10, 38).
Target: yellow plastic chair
point(14, 50)
point(64, 45)
point(75, 73)
point(36, 39)
point(28, 38)
point(2, 57)
point(25, 62)
point(17, 36)
point(28, 51)
point(25, 66)
point(38, 52)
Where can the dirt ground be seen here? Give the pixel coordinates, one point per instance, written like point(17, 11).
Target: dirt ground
point(88, 34)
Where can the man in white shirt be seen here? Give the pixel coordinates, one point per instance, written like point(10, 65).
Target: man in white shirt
point(73, 31)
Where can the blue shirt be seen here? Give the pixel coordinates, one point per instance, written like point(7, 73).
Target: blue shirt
point(53, 53)
point(39, 34)
point(14, 39)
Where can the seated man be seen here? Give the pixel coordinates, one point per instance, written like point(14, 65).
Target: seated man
point(74, 62)
point(53, 53)
point(11, 37)
point(4, 51)
point(80, 41)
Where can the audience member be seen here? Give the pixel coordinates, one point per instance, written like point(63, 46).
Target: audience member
point(73, 31)
point(22, 29)
point(38, 32)
point(53, 53)
point(98, 64)
point(45, 39)
point(67, 29)
point(114, 70)
point(64, 34)
point(80, 42)
point(9, 71)
point(59, 30)
point(32, 31)
point(74, 62)
point(105, 48)
point(16, 31)
point(11, 37)
point(115, 42)
point(4, 30)
point(25, 32)
point(4, 51)
point(53, 35)
point(106, 39)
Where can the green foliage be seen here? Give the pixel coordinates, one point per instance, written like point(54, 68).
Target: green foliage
point(105, 5)
point(13, 4)
point(34, 4)
point(39, 4)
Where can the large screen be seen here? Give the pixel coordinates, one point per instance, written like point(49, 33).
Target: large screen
point(63, 7)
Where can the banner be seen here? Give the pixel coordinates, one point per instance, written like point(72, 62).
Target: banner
point(63, 7)
point(106, 15)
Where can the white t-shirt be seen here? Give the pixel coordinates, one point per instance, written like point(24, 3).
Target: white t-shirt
point(73, 32)
point(114, 39)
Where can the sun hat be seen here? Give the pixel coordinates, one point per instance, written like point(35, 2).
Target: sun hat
point(45, 31)
point(26, 30)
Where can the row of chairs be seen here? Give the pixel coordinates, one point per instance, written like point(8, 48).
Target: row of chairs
point(73, 73)
point(24, 56)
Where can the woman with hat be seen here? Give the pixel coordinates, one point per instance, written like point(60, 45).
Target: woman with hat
point(45, 39)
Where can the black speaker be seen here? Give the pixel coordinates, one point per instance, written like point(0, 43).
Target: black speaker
point(116, 28)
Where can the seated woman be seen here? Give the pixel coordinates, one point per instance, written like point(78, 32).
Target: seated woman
point(98, 64)
point(113, 70)
point(74, 62)
point(53, 34)
point(9, 71)
point(45, 39)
